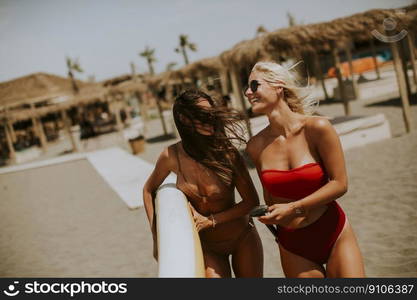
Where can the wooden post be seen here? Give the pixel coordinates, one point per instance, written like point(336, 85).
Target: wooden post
point(160, 112)
point(38, 128)
point(161, 116)
point(319, 74)
point(378, 75)
point(237, 91)
point(12, 133)
point(401, 50)
point(126, 108)
point(142, 105)
point(41, 131)
point(202, 79)
point(224, 82)
point(352, 73)
point(67, 127)
point(411, 49)
point(116, 111)
point(402, 87)
point(143, 111)
point(169, 94)
point(341, 87)
point(12, 152)
point(214, 80)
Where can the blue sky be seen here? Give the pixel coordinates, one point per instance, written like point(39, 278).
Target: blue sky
point(35, 36)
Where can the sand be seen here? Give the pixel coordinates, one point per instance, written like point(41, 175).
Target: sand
point(68, 228)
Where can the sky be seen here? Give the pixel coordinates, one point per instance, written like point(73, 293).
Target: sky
point(106, 36)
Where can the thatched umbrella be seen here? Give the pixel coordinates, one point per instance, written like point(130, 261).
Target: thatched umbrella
point(116, 80)
point(37, 87)
point(322, 37)
point(411, 39)
point(206, 66)
point(239, 60)
point(202, 70)
point(329, 37)
point(156, 84)
point(34, 88)
point(132, 87)
point(47, 89)
point(88, 94)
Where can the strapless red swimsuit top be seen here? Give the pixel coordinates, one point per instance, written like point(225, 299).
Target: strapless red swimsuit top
point(295, 183)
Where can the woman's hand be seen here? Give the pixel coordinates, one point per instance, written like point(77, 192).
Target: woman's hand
point(279, 214)
point(201, 222)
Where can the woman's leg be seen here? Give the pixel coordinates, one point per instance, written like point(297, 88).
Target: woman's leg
point(247, 257)
point(217, 266)
point(295, 266)
point(345, 259)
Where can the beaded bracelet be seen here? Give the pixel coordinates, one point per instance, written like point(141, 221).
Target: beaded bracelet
point(213, 221)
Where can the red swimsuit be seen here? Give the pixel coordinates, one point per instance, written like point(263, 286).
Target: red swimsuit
point(315, 241)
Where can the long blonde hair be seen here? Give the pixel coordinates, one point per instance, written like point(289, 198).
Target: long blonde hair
point(299, 98)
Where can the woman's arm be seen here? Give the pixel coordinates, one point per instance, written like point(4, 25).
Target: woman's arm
point(246, 190)
point(328, 146)
point(253, 150)
point(162, 169)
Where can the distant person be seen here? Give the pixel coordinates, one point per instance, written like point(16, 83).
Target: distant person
point(87, 129)
point(301, 165)
point(208, 169)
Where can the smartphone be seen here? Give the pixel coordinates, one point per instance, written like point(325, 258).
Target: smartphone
point(258, 211)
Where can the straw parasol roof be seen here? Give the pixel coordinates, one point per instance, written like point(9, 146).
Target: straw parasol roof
point(319, 37)
point(42, 86)
point(292, 42)
point(36, 87)
point(155, 81)
point(90, 93)
point(246, 53)
point(117, 80)
point(129, 86)
point(204, 67)
point(322, 37)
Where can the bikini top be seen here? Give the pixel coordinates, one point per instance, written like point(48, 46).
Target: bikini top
point(295, 183)
point(190, 192)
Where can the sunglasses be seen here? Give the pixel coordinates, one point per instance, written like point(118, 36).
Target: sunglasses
point(253, 85)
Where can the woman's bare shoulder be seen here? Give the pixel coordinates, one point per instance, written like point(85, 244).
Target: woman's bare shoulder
point(317, 125)
point(168, 155)
point(172, 148)
point(255, 144)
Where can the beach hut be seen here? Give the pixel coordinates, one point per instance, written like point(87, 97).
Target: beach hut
point(34, 96)
point(329, 38)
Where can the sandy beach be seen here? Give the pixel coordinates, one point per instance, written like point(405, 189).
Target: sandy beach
point(65, 221)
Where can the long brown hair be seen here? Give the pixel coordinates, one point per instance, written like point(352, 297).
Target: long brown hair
point(217, 152)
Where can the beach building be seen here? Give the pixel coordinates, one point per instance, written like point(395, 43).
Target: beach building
point(39, 108)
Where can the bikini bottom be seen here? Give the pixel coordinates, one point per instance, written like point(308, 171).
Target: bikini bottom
point(315, 241)
point(226, 247)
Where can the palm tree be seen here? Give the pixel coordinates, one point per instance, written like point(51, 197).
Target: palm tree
point(184, 44)
point(291, 19)
point(170, 66)
point(73, 66)
point(149, 55)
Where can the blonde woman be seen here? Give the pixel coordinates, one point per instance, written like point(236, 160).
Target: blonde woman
point(301, 165)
